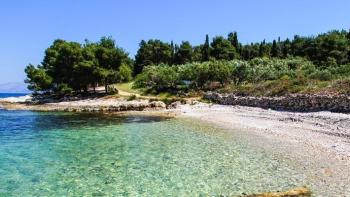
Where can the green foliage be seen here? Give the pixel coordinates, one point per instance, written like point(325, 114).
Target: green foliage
point(269, 68)
point(37, 79)
point(63, 88)
point(183, 54)
point(342, 85)
point(159, 78)
point(233, 38)
point(153, 52)
point(206, 49)
point(322, 75)
point(112, 90)
point(125, 73)
point(222, 49)
point(70, 66)
point(132, 97)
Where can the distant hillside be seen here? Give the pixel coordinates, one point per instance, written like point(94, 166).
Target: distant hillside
point(13, 87)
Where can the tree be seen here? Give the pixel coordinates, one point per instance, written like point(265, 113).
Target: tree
point(183, 53)
point(197, 53)
point(59, 61)
point(264, 49)
point(222, 49)
point(152, 52)
point(173, 51)
point(69, 66)
point(206, 49)
point(286, 48)
point(37, 78)
point(274, 49)
point(109, 58)
point(82, 73)
point(232, 37)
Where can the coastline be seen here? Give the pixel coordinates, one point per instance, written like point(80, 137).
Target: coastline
point(319, 141)
point(315, 143)
point(87, 105)
point(323, 129)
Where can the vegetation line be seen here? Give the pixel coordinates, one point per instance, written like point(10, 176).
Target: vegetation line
point(319, 64)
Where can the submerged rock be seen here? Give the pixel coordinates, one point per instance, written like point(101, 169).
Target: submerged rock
point(297, 192)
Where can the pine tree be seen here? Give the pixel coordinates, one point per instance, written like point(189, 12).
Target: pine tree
point(348, 36)
point(206, 49)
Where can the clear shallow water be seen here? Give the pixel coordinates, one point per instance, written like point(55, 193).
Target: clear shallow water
point(63, 154)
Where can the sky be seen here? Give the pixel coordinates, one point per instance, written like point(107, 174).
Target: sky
point(27, 28)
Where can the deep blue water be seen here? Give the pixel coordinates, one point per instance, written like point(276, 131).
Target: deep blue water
point(6, 95)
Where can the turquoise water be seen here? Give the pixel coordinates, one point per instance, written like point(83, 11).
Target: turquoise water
point(64, 154)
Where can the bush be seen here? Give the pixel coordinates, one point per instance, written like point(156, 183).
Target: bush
point(341, 71)
point(159, 78)
point(342, 85)
point(112, 90)
point(323, 75)
point(125, 73)
point(131, 98)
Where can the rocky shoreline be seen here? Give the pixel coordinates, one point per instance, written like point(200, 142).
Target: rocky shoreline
point(87, 105)
point(298, 103)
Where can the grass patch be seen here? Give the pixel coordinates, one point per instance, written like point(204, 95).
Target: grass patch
point(128, 87)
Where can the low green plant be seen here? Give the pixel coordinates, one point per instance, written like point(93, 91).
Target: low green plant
point(132, 97)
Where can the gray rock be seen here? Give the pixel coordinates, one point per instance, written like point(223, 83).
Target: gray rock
point(298, 102)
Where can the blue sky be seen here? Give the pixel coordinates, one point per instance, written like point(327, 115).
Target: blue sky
point(27, 28)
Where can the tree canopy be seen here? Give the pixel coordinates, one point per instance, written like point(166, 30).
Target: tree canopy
point(70, 66)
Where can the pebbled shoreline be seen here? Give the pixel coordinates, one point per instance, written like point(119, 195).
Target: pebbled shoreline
point(315, 143)
point(326, 130)
point(87, 105)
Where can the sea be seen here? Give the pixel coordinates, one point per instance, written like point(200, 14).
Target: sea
point(6, 95)
point(92, 154)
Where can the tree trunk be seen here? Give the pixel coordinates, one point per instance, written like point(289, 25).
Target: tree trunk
point(106, 86)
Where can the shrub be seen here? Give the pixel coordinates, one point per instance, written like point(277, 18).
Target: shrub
point(131, 98)
point(111, 89)
point(159, 78)
point(323, 75)
point(342, 85)
point(125, 73)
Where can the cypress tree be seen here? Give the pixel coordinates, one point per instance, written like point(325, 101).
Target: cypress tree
point(172, 52)
point(233, 38)
point(206, 49)
point(274, 49)
point(262, 48)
